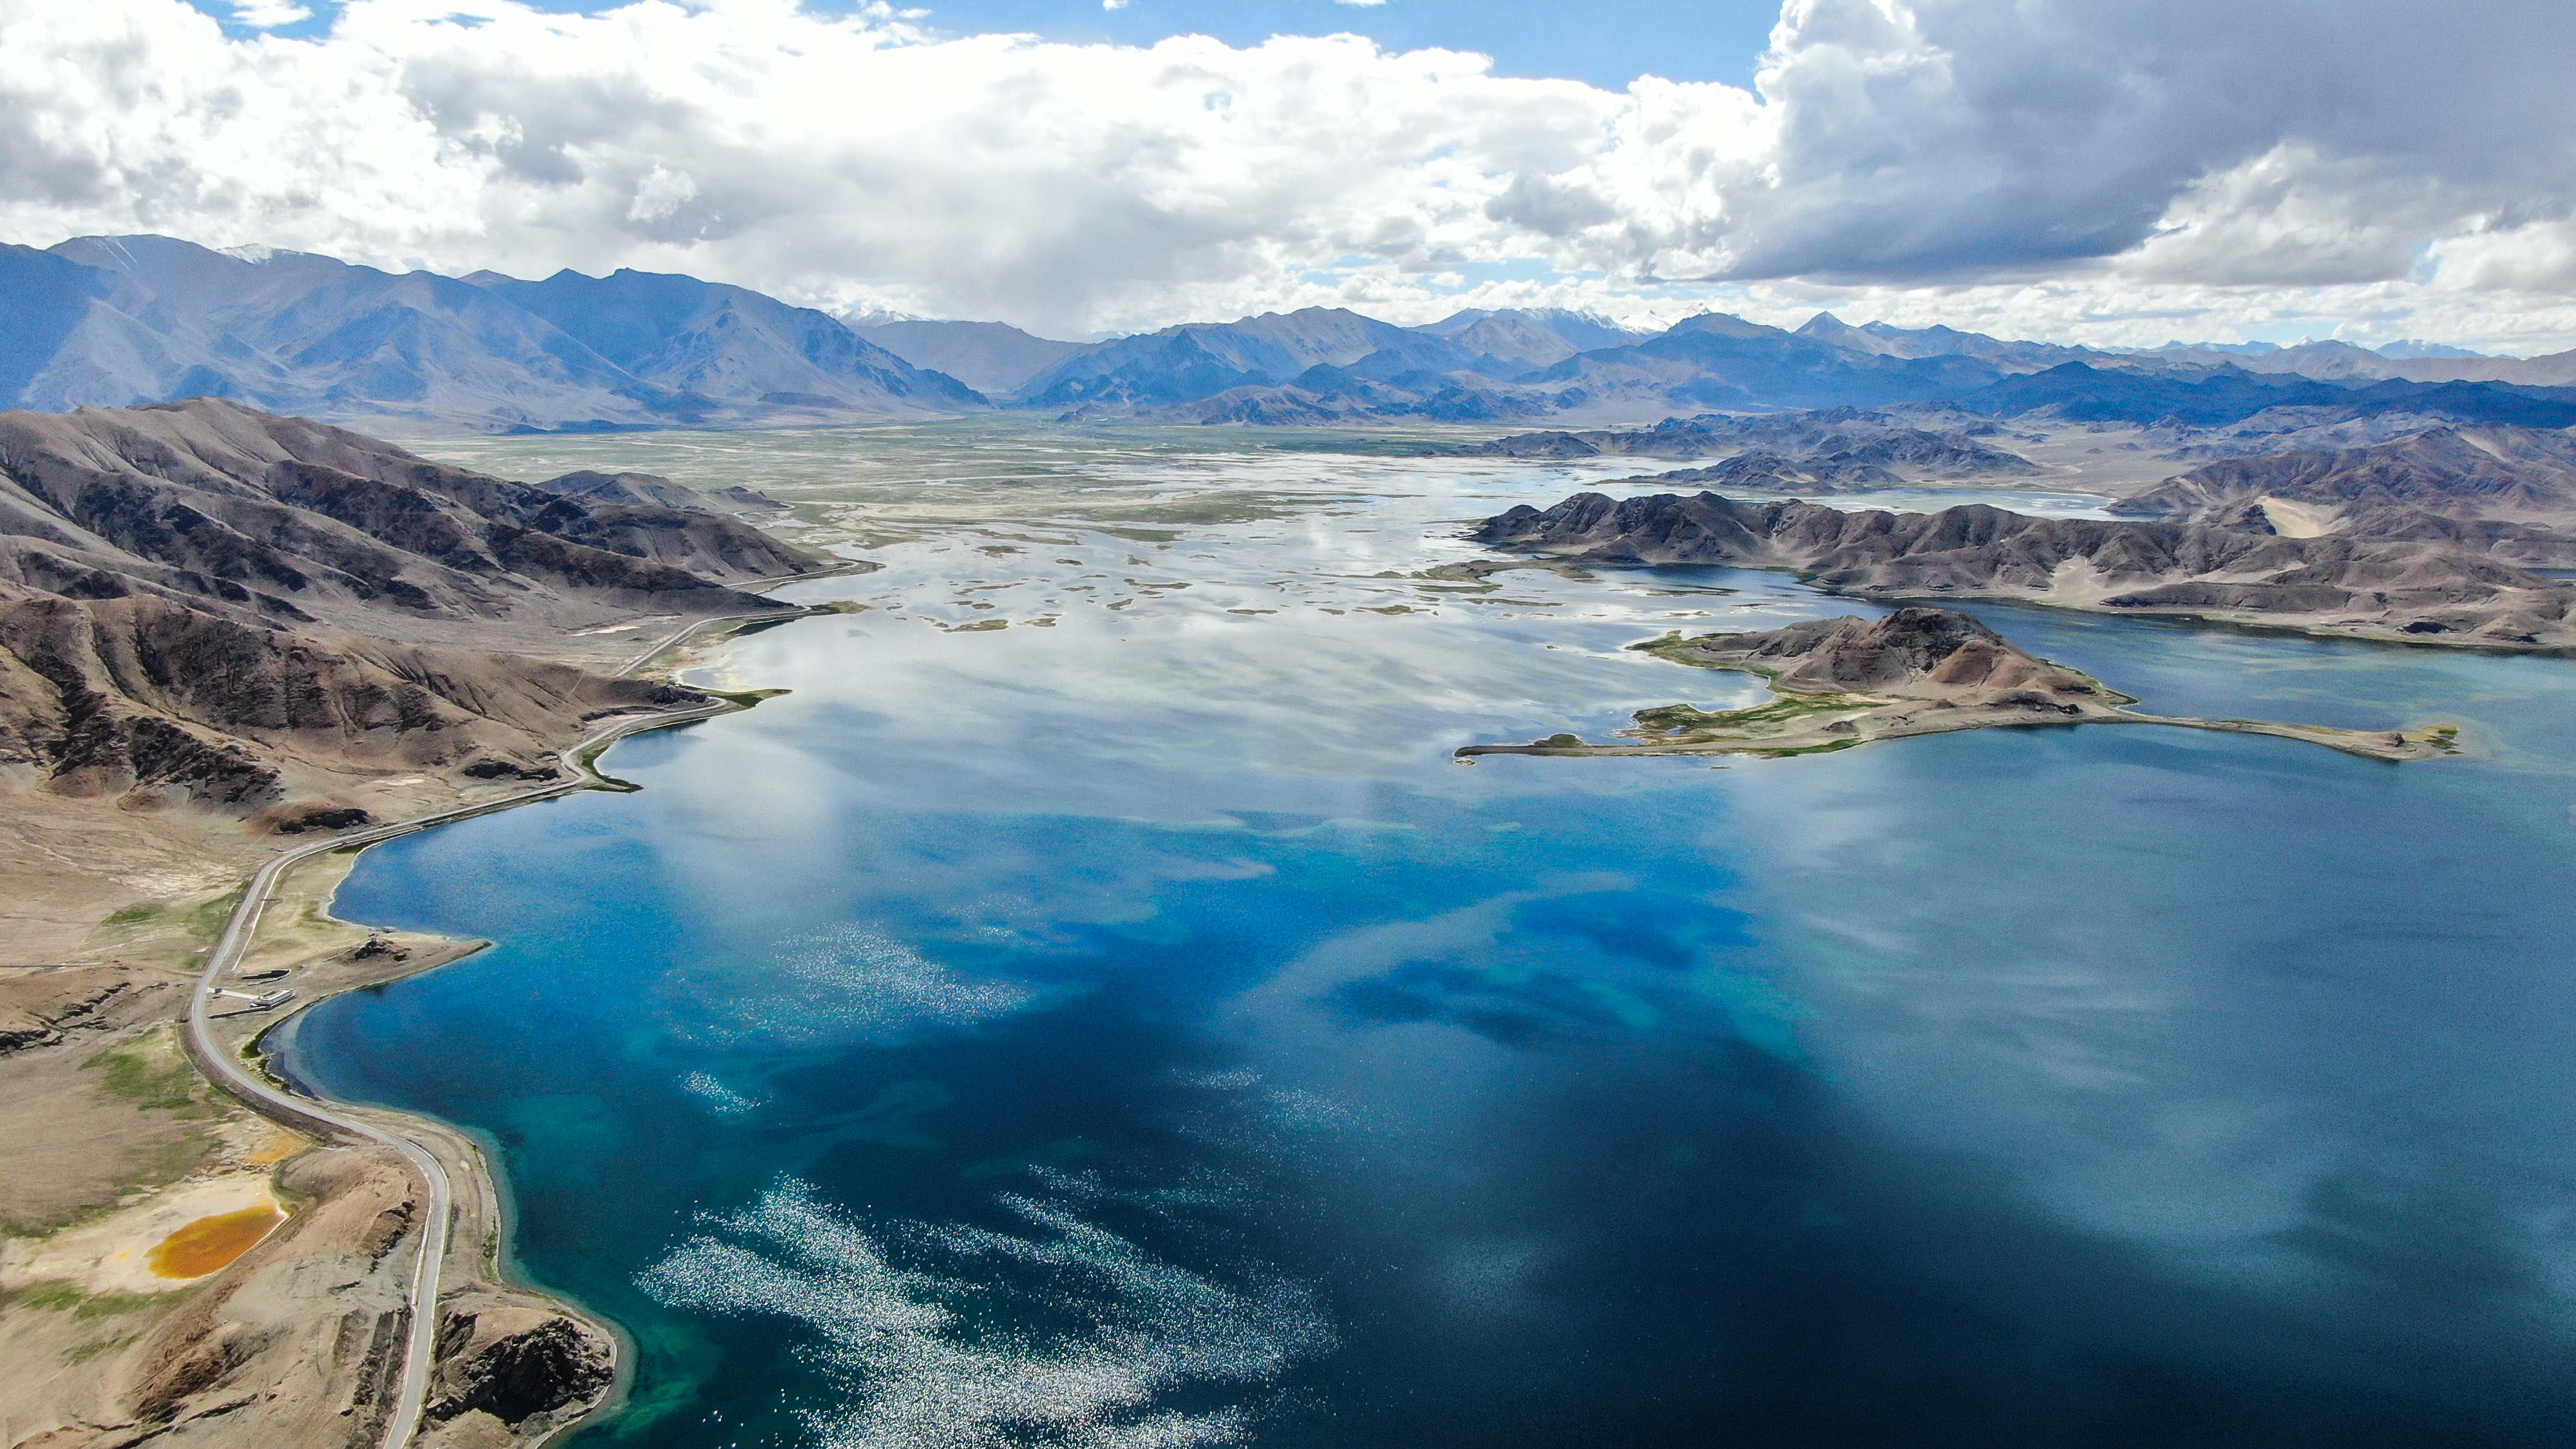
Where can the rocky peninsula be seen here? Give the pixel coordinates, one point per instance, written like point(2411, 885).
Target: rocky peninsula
point(1919, 671)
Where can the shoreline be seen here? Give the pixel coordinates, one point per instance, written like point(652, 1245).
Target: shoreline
point(440, 1157)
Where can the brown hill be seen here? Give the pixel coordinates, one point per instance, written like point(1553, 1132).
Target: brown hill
point(2525, 475)
point(2331, 584)
point(155, 704)
point(1923, 653)
point(1836, 445)
point(207, 608)
point(209, 503)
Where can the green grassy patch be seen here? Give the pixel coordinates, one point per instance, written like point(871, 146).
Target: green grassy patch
point(60, 1297)
point(206, 920)
point(588, 760)
point(1824, 749)
point(133, 915)
point(1681, 724)
point(82, 1353)
point(150, 1073)
point(52, 1297)
point(1672, 648)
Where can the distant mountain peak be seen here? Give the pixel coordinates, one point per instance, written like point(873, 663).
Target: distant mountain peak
point(1725, 324)
point(2410, 348)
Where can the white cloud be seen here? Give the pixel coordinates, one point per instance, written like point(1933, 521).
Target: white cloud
point(2069, 168)
point(268, 14)
point(661, 193)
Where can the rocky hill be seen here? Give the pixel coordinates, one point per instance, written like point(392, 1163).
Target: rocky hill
point(649, 491)
point(2519, 474)
point(211, 504)
point(208, 607)
point(1836, 448)
point(2333, 584)
point(1931, 653)
point(153, 705)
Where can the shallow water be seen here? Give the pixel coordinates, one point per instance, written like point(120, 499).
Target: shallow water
point(1136, 1029)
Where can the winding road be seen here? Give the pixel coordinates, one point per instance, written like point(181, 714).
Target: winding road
point(315, 1118)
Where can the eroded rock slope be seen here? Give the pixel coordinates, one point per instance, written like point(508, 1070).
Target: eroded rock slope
point(2330, 584)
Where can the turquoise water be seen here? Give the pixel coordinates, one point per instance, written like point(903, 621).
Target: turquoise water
point(1138, 1030)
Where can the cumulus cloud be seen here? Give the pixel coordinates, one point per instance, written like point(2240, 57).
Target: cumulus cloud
point(2067, 167)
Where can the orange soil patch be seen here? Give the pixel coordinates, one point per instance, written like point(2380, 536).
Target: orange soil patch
point(209, 1244)
point(279, 1148)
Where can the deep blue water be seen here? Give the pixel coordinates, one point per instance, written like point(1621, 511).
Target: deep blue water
point(1139, 1031)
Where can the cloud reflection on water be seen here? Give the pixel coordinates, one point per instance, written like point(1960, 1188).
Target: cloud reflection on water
point(909, 1320)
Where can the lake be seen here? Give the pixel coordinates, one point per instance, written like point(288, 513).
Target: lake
point(1093, 1008)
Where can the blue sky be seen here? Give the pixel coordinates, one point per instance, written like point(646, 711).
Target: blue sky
point(1605, 42)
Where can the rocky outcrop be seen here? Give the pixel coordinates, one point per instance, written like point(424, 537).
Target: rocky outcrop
point(518, 1364)
point(46, 1007)
point(1932, 653)
point(2329, 584)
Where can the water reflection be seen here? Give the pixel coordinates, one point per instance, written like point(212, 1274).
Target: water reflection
point(1137, 1030)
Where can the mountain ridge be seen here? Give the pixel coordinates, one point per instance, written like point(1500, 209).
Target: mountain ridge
point(207, 607)
point(2328, 585)
point(109, 321)
point(116, 320)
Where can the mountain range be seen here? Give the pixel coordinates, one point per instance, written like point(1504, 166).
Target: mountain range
point(112, 321)
point(116, 321)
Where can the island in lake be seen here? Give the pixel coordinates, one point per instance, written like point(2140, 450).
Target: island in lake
point(1919, 671)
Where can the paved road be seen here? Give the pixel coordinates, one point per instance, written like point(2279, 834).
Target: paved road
point(308, 1115)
